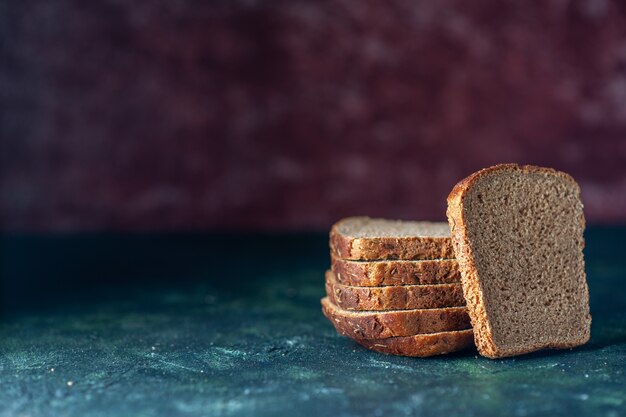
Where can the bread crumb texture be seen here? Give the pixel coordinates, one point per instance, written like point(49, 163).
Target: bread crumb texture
point(517, 233)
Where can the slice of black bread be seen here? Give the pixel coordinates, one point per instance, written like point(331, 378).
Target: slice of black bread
point(421, 345)
point(383, 324)
point(364, 238)
point(518, 237)
point(376, 273)
point(404, 297)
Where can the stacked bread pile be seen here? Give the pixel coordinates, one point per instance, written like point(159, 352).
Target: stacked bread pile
point(394, 287)
point(517, 234)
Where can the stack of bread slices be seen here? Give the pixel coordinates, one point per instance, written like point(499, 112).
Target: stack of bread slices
point(394, 287)
point(512, 250)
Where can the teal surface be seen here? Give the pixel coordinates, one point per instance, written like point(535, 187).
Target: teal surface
point(231, 326)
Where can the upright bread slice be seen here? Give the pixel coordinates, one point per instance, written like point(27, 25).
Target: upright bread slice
point(383, 324)
point(364, 238)
point(376, 273)
point(421, 345)
point(404, 297)
point(518, 237)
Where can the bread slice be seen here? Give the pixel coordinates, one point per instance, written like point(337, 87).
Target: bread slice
point(376, 273)
point(404, 297)
point(363, 238)
point(518, 237)
point(421, 345)
point(383, 324)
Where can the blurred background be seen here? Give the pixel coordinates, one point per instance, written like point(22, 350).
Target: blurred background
point(289, 114)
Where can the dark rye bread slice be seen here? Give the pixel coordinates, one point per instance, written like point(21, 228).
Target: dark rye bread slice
point(377, 273)
point(364, 238)
point(406, 297)
point(421, 345)
point(518, 236)
point(383, 324)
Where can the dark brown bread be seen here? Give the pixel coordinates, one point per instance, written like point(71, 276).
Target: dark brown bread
point(377, 273)
point(406, 297)
point(383, 324)
point(421, 345)
point(518, 237)
point(364, 238)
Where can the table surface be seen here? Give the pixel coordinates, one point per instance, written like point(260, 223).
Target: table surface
point(211, 325)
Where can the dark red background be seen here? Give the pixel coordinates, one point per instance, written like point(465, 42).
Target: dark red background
point(238, 114)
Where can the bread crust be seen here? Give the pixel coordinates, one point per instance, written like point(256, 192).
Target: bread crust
point(422, 345)
point(472, 288)
point(395, 272)
point(381, 325)
point(380, 248)
point(405, 297)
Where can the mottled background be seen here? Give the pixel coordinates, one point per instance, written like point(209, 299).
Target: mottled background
point(244, 114)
